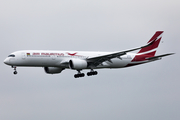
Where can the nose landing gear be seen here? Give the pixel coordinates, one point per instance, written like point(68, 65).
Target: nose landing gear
point(15, 72)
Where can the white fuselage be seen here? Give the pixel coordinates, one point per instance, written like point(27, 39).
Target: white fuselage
point(46, 58)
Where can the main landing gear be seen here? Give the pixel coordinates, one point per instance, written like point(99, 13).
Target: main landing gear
point(15, 72)
point(79, 74)
point(92, 73)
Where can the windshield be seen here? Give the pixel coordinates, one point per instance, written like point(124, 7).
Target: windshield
point(11, 55)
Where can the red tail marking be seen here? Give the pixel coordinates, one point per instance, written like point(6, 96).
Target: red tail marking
point(153, 46)
point(158, 33)
point(143, 57)
point(155, 43)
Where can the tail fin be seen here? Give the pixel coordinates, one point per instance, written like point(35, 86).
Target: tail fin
point(154, 43)
point(147, 53)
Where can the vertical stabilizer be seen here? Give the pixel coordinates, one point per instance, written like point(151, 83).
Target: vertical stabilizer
point(154, 41)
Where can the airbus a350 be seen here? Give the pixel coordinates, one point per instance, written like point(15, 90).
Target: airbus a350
point(55, 62)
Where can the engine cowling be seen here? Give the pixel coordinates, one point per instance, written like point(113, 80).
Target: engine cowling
point(53, 70)
point(77, 64)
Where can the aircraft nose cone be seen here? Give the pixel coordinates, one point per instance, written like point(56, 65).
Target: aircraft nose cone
point(6, 61)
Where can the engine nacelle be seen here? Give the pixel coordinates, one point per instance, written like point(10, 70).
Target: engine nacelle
point(77, 64)
point(53, 70)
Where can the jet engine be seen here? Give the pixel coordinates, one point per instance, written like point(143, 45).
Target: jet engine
point(53, 70)
point(77, 64)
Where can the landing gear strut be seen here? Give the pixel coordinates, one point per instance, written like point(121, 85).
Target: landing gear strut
point(79, 74)
point(15, 72)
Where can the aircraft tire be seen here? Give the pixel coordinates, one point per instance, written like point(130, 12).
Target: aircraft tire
point(79, 75)
point(15, 72)
point(92, 73)
point(95, 72)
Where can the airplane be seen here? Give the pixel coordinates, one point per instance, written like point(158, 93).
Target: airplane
point(55, 62)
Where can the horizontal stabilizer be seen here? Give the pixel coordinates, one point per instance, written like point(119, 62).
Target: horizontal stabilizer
point(159, 56)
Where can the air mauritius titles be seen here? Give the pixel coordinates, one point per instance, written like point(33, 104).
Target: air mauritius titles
point(45, 54)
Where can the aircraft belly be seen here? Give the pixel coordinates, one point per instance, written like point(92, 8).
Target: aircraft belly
point(117, 63)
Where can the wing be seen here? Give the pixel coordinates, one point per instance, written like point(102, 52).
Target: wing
point(95, 61)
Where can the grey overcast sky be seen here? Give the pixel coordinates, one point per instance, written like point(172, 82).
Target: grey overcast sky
point(146, 92)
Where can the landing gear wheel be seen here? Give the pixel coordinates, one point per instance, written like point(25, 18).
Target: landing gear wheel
point(92, 73)
point(15, 72)
point(89, 74)
point(79, 75)
point(82, 74)
point(95, 72)
point(75, 76)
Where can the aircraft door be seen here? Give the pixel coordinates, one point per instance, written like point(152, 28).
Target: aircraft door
point(23, 56)
point(53, 57)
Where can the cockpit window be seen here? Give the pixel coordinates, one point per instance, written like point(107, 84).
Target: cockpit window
point(11, 55)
